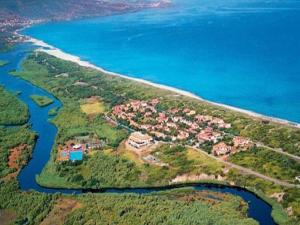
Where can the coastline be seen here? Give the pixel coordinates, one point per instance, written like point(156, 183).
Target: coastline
point(58, 53)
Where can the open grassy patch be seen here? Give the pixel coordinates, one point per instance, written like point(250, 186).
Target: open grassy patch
point(130, 155)
point(92, 106)
point(203, 163)
point(41, 101)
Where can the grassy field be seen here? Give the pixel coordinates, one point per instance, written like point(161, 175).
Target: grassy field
point(41, 101)
point(93, 108)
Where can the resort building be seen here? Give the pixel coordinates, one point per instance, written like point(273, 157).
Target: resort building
point(139, 140)
point(208, 135)
point(221, 149)
point(241, 142)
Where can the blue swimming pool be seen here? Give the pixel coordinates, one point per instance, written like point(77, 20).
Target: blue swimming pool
point(76, 155)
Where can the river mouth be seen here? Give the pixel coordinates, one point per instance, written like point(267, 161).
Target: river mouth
point(39, 120)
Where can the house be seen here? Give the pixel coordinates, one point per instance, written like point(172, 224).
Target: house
point(241, 142)
point(182, 135)
point(139, 140)
point(208, 135)
point(221, 149)
point(186, 110)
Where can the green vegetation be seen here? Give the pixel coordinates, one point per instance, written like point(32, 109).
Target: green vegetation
point(41, 101)
point(3, 63)
point(100, 170)
point(111, 135)
point(53, 111)
point(29, 207)
point(19, 138)
point(267, 162)
point(13, 111)
point(16, 144)
point(71, 122)
point(177, 207)
point(11, 138)
point(187, 161)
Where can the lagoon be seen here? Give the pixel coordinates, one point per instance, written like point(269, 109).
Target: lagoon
point(240, 53)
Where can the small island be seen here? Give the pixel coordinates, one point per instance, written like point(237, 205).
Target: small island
point(41, 101)
point(53, 111)
point(3, 62)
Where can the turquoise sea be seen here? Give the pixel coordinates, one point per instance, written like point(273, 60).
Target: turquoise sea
point(237, 52)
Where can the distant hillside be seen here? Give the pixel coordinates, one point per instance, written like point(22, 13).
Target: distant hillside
point(62, 9)
point(15, 14)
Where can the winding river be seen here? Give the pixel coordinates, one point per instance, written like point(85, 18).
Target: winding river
point(39, 119)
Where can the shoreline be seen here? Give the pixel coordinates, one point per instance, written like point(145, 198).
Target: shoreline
point(58, 53)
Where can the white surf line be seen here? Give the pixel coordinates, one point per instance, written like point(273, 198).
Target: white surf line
point(56, 52)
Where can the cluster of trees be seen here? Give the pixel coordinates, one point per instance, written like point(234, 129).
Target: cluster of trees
point(13, 111)
point(30, 207)
point(99, 171)
point(168, 208)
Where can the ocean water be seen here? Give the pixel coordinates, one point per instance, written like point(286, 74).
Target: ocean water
point(241, 53)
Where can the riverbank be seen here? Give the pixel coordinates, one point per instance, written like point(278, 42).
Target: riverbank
point(51, 50)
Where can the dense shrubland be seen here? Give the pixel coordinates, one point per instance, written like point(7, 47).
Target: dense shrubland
point(13, 111)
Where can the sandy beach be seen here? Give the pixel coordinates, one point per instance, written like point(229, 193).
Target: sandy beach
point(51, 50)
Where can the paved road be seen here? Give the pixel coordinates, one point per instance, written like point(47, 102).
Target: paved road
point(249, 171)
